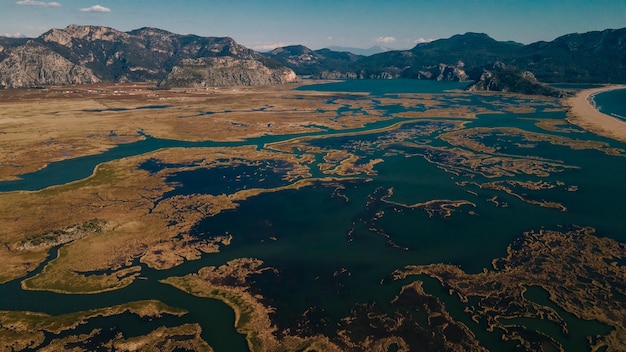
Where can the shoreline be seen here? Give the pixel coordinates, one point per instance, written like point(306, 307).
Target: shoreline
point(583, 113)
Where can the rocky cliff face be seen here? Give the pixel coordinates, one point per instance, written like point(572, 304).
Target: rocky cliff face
point(7, 43)
point(506, 78)
point(226, 71)
point(452, 72)
point(84, 54)
point(33, 64)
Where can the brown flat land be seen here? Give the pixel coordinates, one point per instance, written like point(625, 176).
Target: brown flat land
point(39, 126)
point(46, 125)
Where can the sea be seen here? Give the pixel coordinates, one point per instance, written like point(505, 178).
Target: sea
point(612, 103)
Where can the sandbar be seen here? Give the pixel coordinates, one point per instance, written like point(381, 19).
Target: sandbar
point(584, 114)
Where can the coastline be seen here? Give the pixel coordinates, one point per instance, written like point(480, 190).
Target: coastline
point(583, 113)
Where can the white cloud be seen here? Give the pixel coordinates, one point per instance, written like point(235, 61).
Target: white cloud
point(385, 40)
point(422, 40)
point(95, 8)
point(14, 35)
point(38, 3)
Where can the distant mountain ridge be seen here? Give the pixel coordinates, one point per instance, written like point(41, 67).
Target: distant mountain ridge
point(322, 63)
point(359, 51)
point(592, 57)
point(88, 54)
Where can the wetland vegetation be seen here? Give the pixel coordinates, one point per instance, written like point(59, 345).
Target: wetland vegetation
point(342, 217)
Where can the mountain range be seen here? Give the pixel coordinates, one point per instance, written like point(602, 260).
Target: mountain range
point(89, 54)
point(593, 57)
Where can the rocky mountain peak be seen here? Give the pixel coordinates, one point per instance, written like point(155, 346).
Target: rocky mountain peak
point(296, 55)
point(150, 32)
point(65, 36)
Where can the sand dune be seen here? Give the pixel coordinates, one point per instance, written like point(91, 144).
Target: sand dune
point(582, 113)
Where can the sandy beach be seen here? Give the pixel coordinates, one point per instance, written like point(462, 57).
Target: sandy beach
point(582, 113)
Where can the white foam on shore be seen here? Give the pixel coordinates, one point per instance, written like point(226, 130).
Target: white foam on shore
point(592, 101)
point(618, 116)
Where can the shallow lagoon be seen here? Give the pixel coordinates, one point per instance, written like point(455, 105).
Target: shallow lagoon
point(336, 245)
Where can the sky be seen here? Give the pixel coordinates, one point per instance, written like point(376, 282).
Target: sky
point(264, 25)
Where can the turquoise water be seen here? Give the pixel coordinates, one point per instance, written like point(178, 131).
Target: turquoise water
point(70, 170)
point(335, 248)
point(612, 103)
point(380, 87)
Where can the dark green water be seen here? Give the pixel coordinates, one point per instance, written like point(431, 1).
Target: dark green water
point(216, 318)
point(577, 329)
point(329, 250)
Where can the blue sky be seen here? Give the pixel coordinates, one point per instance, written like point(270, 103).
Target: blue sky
point(263, 25)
